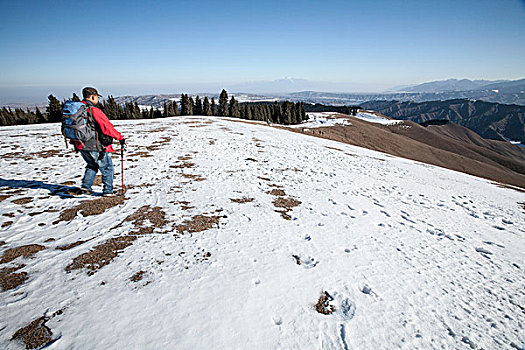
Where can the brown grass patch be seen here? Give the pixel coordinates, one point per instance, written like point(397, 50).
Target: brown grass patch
point(287, 203)
point(156, 216)
point(11, 280)
point(194, 177)
point(284, 214)
point(522, 205)
point(186, 157)
point(334, 148)
point(49, 240)
point(35, 335)
point(289, 169)
point(7, 224)
point(9, 215)
point(142, 154)
point(183, 165)
point(25, 251)
point(71, 245)
point(323, 304)
point(90, 207)
point(161, 129)
point(2, 243)
point(104, 253)
point(23, 200)
point(185, 205)
point(47, 154)
point(153, 147)
point(4, 197)
point(212, 142)
point(101, 255)
point(137, 276)
point(275, 185)
point(264, 178)
point(198, 223)
point(276, 192)
point(242, 200)
point(68, 183)
point(251, 159)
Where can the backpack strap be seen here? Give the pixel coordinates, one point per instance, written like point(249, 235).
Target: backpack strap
point(94, 124)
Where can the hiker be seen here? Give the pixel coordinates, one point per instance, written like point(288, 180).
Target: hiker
point(96, 152)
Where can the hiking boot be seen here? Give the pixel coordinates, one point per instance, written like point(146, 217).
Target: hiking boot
point(83, 191)
point(110, 194)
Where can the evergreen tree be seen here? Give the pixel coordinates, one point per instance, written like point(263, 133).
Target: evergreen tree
point(247, 112)
point(198, 106)
point(165, 110)
point(233, 111)
point(39, 116)
point(75, 98)
point(223, 104)
point(213, 106)
point(206, 108)
point(191, 105)
point(184, 105)
point(54, 110)
point(175, 108)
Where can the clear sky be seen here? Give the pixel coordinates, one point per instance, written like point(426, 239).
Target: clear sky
point(202, 44)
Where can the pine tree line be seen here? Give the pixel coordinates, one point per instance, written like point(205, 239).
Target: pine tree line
point(281, 113)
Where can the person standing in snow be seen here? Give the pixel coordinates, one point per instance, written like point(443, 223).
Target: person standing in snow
point(96, 155)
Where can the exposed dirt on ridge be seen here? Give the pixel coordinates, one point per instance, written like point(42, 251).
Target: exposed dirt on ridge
point(9, 279)
point(276, 192)
point(71, 245)
point(25, 251)
point(101, 255)
point(183, 165)
point(323, 304)
point(242, 200)
point(137, 276)
point(436, 145)
point(34, 335)
point(104, 253)
point(156, 216)
point(23, 200)
point(90, 207)
point(198, 223)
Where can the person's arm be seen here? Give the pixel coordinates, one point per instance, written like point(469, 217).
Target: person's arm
point(105, 125)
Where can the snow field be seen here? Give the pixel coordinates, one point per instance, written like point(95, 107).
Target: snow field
point(413, 255)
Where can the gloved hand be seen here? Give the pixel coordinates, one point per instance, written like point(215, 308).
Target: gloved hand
point(123, 143)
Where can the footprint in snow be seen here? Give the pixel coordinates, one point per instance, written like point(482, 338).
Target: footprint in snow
point(307, 263)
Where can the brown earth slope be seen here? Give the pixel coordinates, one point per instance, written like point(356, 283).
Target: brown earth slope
point(449, 146)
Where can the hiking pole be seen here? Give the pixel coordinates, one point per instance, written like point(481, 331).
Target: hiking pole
point(122, 145)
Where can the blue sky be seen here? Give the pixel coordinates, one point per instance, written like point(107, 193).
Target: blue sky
point(160, 46)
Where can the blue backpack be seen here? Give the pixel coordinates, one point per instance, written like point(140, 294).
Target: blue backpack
point(77, 124)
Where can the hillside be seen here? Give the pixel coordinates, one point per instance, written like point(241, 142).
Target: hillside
point(490, 120)
point(237, 235)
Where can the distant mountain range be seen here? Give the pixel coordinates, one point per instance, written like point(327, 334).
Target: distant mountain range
point(464, 85)
point(490, 120)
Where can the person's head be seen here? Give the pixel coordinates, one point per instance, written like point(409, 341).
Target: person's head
point(90, 94)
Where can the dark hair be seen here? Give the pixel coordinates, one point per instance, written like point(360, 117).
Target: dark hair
point(89, 91)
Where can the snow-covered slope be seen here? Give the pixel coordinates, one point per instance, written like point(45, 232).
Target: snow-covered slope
point(411, 255)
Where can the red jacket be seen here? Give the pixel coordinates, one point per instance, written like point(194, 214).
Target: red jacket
point(105, 125)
